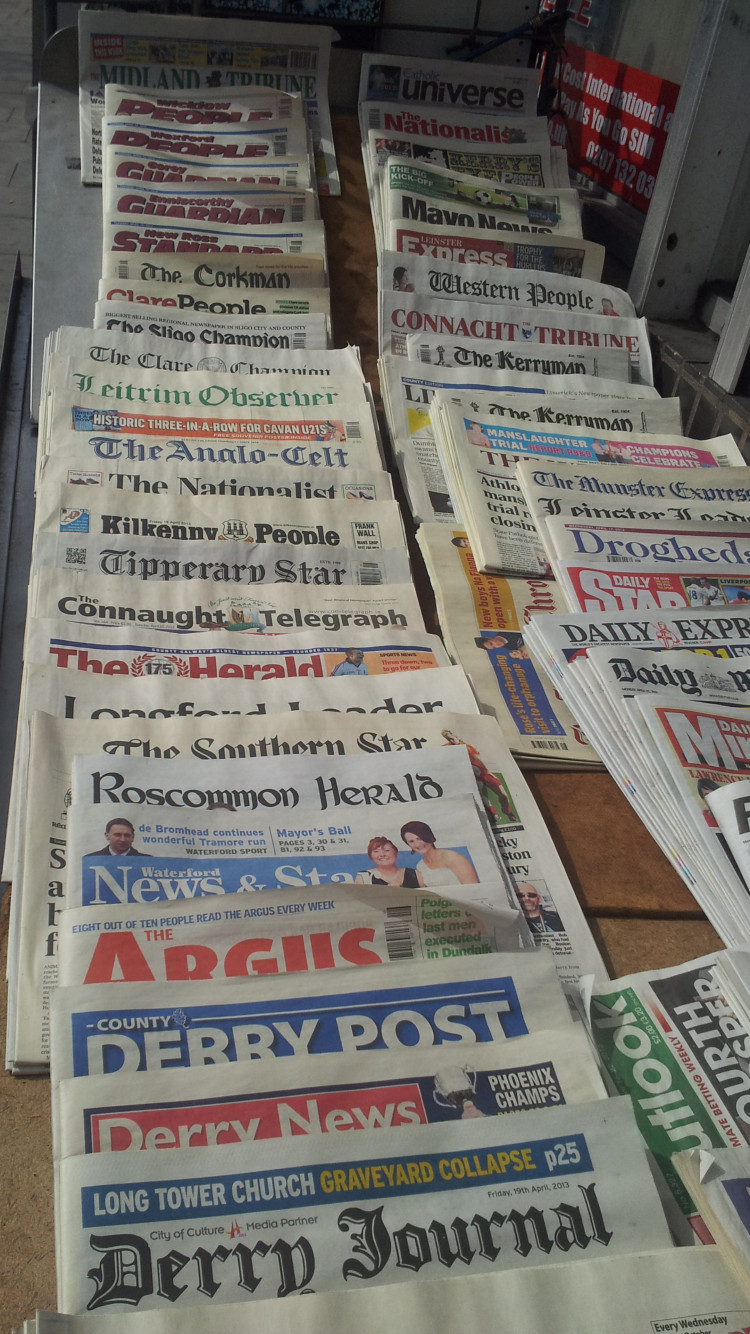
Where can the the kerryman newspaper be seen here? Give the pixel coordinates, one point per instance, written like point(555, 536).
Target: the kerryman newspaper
point(682, 1287)
point(241, 273)
point(355, 1212)
point(455, 1003)
point(374, 1090)
point(148, 477)
point(531, 358)
point(432, 276)
point(431, 196)
point(403, 313)
point(438, 86)
point(673, 1030)
point(207, 540)
point(293, 931)
point(484, 620)
point(150, 53)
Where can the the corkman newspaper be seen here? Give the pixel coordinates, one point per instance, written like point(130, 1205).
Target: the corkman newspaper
point(353, 1219)
point(676, 1024)
point(158, 53)
point(641, 1294)
point(242, 273)
point(484, 620)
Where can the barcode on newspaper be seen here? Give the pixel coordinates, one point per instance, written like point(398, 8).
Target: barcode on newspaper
point(122, 271)
point(373, 120)
point(295, 246)
point(291, 178)
point(279, 145)
point(370, 572)
point(424, 353)
point(298, 341)
point(353, 430)
point(75, 555)
point(298, 212)
point(547, 743)
point(285, 110)
point(398, 935)
point(619, 560)
point(303, 59)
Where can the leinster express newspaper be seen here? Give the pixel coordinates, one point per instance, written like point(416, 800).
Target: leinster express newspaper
point(492, 1194)
point(375, 1090)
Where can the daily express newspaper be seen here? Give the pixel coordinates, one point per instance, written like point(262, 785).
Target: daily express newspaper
point(375, 1090)
point(404, 313)
point(506, 250)
point(293, 931)
point(640, 1293)
point(669, 1040)
point(432, 276)
point(358, 1219)
point(436, 86)
point(484, 619)
point(532, 358)
point(159, 52)
point(208, 540)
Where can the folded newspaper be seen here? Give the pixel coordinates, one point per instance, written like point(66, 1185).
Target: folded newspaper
point(720, 1180)
point(449, 85)
point(531, 357)
point(355, 1218)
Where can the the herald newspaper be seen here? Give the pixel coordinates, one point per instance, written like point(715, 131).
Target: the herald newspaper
point(533, 358)
point(404, 313)
point(141, 52)
point(292, 931)
point(377, 1214)
point(645, 1292)
point(373, 1090)
point(678, 1022)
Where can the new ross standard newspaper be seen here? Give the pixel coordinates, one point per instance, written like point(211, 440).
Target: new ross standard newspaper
point(357, 1220)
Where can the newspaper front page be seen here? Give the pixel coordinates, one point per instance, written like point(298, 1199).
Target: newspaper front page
point(729, 806)
point(449, 123)
point(431, 87)
point(534, 358)
point(300, 302)
point(159, 52)
point(720, 1180)
point(251, 335)
point(669, 1040)
point(505, 250)
point(358, 1219)
point(159, 169)
point(241, 273)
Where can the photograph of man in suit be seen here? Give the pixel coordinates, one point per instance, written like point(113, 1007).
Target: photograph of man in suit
point(119, 835)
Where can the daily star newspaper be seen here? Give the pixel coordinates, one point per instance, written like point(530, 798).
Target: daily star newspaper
point(484, 619)
point(404, 313)
point(357, 1219)
point(160, 52)
point(646, 1292)
point(294, 931)
point(669, 1040)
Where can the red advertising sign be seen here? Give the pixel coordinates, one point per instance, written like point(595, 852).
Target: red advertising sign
point(617, 120)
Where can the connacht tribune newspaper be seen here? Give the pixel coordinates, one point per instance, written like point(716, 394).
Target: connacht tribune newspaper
point(234, 1104)
point(642, 1293)
point(403, 313)
point(161, 53)
point(676, 1024)
point(529, 358)
point(352, 1220)
point(294, 931)
point(484, 620)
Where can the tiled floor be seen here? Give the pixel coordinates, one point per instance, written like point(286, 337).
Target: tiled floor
point(16, 182)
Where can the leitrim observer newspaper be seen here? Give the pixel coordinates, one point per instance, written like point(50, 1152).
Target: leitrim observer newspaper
point(311, 972)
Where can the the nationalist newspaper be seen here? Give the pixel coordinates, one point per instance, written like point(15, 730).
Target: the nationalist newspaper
point(357, 1215)
point(373, 1090)
point(641, 1294)
point(164, 53)
point(529, 358)
point(403, 313)
point(432, 87)
point(293, 931)
point(484, 619)
point(670, 1041)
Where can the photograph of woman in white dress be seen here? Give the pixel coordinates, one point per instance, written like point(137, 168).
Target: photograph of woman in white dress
point(438, 866)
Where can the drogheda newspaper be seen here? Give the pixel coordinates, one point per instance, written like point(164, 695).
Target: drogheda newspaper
point(455, 1003)
point(147, 477)
point(643, 543)
point(431, 276)
point(719, 1180)
point(404, 313)
point(443, 87)
point(235, 1104)
point(156, 537)
point(295, 931)
point(165, 54)
point(683, 1288)
point(670, 1041)
point(532, 358)
point(357, 1221)
point(484, 619)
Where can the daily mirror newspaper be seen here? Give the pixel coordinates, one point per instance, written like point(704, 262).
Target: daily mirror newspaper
point(357, 1219)
point(159, 52)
